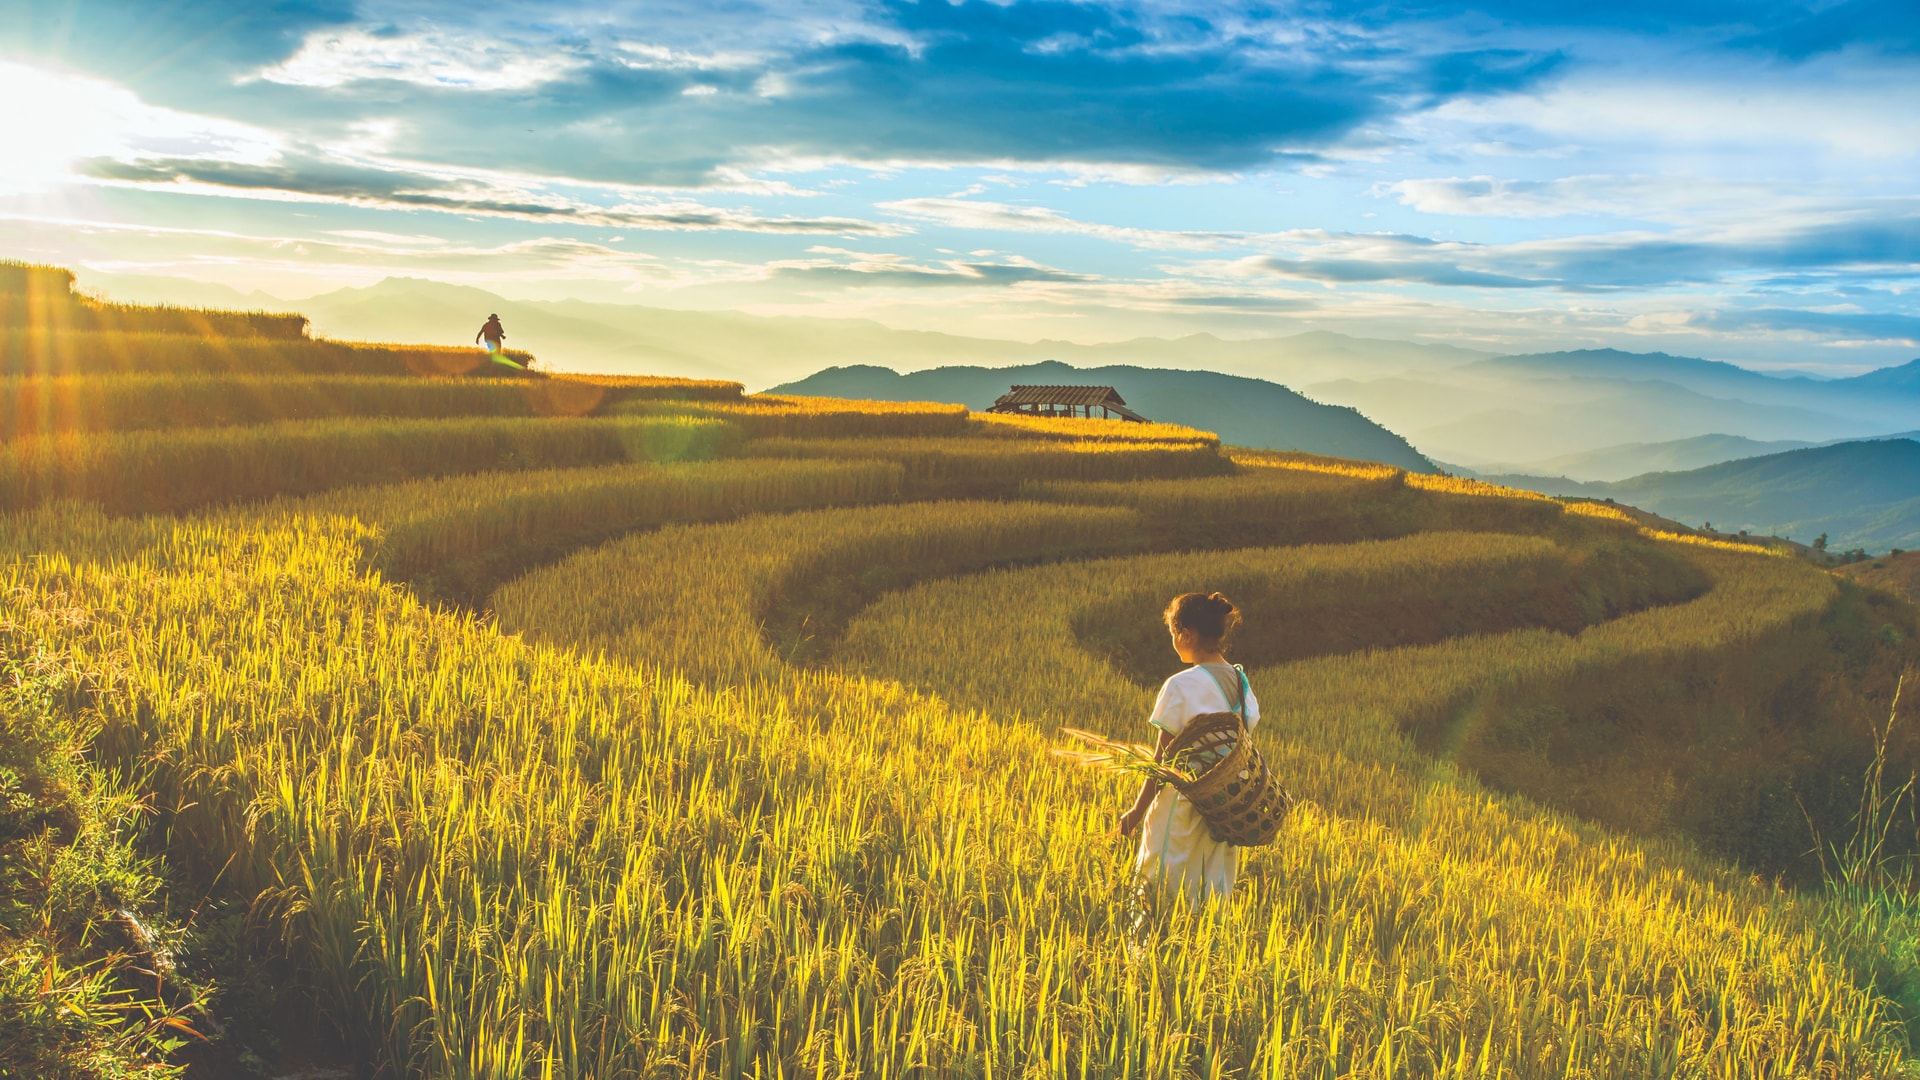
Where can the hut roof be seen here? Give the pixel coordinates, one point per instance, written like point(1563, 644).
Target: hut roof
point(1022, 398)
point(1061, 395)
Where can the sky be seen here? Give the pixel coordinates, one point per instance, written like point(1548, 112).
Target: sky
point(1735, 180)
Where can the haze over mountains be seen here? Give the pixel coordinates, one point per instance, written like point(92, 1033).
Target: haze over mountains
point(762, 351)
point(1633, 459)
point(1860, 494)
point(1245, 412)
point(1521, 413)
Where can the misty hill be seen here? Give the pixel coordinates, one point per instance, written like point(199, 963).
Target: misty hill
point(1861, 494)
point(1904, 380)
point(1712, 377)
point(1245, 412)
point(1898, 574)
point(1541, 407)
point(1633, 459)
point(760, 350)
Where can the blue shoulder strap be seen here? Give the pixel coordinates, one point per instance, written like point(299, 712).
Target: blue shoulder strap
point(1235, 701)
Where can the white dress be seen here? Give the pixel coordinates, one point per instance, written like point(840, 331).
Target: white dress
point(1176, 851)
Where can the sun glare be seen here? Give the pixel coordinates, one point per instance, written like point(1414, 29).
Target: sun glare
point(66, 119)
point(57, 120)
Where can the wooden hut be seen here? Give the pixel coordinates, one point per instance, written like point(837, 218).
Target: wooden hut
point(1066, 401)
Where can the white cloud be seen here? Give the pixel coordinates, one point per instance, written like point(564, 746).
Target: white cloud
point(1654, 198)
point(1851, 114)
point(335, 58)
point(1007, 217)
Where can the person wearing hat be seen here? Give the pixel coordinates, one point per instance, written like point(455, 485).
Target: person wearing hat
point(493, 332)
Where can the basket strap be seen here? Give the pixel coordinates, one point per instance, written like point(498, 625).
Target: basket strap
point(1235, 695)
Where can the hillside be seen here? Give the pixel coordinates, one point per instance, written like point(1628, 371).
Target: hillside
point(1898, 573)
point(394, 723)
point(1244, 412)
point(1633, 459)
point(1712, 377)
point(1903, 380)
point(1862, 494)
point(1527, 411)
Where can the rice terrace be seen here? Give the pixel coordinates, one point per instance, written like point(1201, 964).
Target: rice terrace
point(454, 725)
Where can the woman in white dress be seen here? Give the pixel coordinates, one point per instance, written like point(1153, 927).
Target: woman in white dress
point(1177, 853)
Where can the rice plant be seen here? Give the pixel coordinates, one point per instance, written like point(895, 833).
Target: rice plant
point(169, 471)
point(32, 407)
point(500, 860)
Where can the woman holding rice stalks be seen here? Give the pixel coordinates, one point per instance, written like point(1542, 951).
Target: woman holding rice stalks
point(1177, 850)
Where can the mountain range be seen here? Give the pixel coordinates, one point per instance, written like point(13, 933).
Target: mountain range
point(1635, 459)
point(1530, 411)
point(1244, 411)
point(1863, 494)
point(761, 350)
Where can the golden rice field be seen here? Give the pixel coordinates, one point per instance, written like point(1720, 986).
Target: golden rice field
point(717, 738)
point(59, 405)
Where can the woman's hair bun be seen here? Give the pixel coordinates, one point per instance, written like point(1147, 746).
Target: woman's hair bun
point(1210, 616)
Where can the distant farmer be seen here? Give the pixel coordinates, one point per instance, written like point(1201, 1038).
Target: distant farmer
point(493, 332)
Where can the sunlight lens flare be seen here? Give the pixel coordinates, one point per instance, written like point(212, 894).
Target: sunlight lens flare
point(54, 121)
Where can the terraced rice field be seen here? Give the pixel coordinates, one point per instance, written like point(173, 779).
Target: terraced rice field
point(717, 738)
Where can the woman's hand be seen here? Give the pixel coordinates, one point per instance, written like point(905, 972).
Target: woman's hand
point(1130, 821)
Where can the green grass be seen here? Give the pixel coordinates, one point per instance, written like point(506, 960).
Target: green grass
point(78, 922)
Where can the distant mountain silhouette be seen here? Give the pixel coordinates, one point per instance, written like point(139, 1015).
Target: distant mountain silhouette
point(1245, 412)
point(1861, 494)
point(1713, 377)
point(1544, 406)
point(758, 350)
point(1633, 459)
point(1904, 380)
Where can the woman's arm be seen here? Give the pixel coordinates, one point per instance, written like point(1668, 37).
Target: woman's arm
point(1130, 821)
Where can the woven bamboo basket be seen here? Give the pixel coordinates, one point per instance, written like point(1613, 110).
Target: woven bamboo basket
point(1237, 796)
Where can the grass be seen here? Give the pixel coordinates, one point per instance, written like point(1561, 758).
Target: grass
point(972, 468)
point(1322, 502)
point(774, 416)
point(1004, 425)
point(79, 996)
point(170, 471)
point(459, 539)
point(734, 602)
point(931, 636)
point(535, 862)
point(43, 296)
point(40, 351)
point(38, 407)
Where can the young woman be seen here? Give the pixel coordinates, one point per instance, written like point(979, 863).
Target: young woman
point(1176, 850)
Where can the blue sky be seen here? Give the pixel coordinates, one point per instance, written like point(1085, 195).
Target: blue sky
point(1733, 180)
